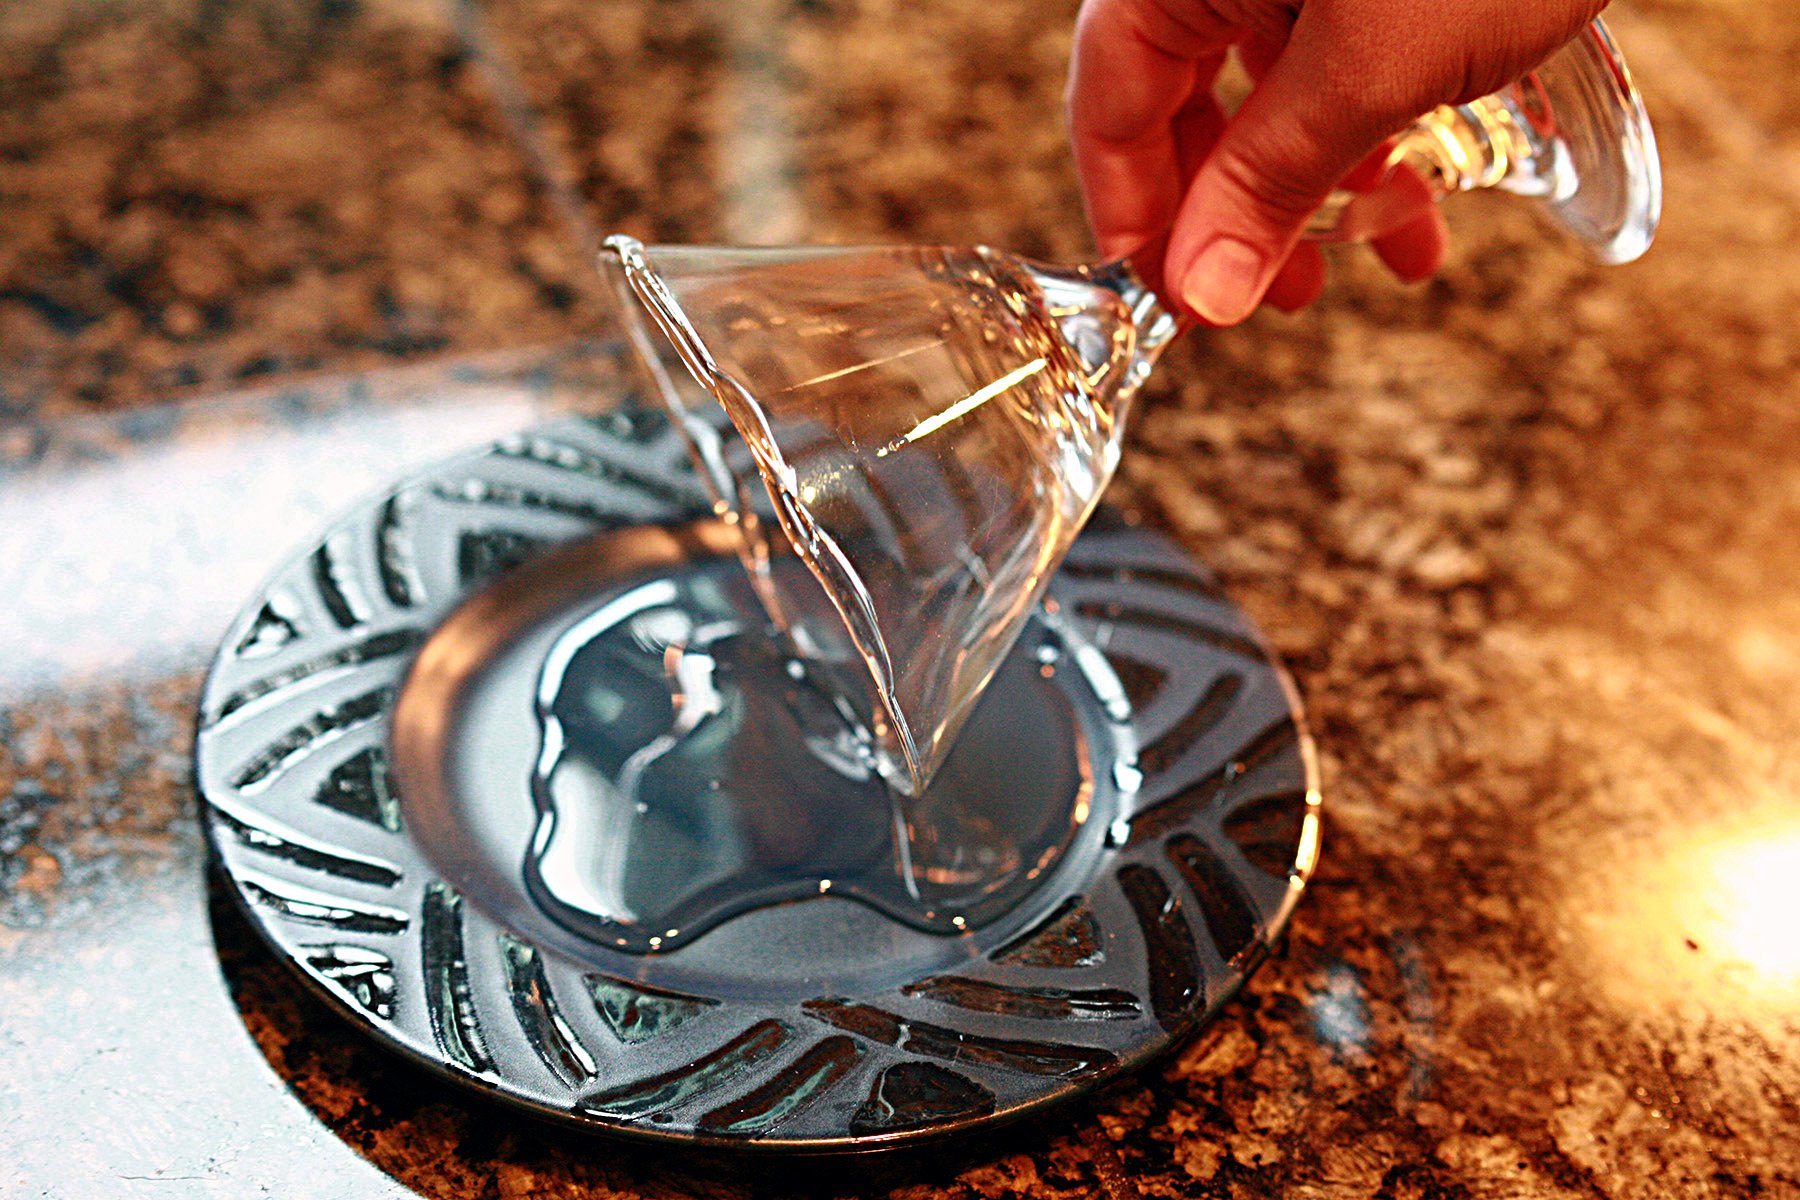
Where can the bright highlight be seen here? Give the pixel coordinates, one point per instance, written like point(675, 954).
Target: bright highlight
point(963, 407)
point(1758, 913)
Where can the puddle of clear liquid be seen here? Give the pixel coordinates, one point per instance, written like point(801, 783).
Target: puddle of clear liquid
point(690, 770)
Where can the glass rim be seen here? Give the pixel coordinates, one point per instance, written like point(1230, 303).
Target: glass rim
point(650, 310)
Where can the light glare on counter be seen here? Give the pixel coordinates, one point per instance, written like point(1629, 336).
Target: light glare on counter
point(1757, 898)
point(1709, 918)
point(193, 521)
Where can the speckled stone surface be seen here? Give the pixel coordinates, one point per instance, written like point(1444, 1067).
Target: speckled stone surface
point(1524, 534)
point(196, 195)
point(816, 122)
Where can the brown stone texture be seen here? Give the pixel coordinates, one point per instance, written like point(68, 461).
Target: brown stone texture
point(1523, 533)
point(199, 194)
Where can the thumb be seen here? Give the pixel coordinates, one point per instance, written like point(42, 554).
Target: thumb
point(1312, 117)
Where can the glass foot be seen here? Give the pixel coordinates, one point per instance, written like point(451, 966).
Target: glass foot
point(1572, 135)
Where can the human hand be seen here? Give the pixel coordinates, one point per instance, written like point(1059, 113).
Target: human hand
point(1157, 154)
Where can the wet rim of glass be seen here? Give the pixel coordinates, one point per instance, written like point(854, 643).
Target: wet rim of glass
point(642, 291)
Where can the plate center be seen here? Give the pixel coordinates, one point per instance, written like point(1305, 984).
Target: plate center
point(630, 755)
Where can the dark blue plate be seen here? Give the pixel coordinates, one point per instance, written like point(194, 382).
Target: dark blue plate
point(372, 752)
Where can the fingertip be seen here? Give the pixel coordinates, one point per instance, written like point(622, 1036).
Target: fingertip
point(1416, 250)
point(1226, 281)
point(1301, 280)
point(1375, 169)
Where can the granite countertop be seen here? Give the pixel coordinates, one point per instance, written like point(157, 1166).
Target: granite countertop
point(1521, 533)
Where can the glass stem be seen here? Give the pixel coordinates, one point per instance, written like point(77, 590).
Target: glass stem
point(1116, 350)
point(1155, 321)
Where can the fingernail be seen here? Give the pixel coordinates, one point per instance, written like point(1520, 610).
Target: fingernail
point(1225, 282)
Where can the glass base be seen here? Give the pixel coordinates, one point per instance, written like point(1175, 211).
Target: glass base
point(1600, 176)
point(1572, 136)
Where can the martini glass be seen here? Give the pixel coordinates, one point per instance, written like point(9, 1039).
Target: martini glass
point(929, 428)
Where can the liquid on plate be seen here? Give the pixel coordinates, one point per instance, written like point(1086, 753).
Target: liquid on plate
point(691, 769)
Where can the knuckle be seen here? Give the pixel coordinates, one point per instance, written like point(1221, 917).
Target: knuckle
point(1277, 180)
point(1376, 101)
